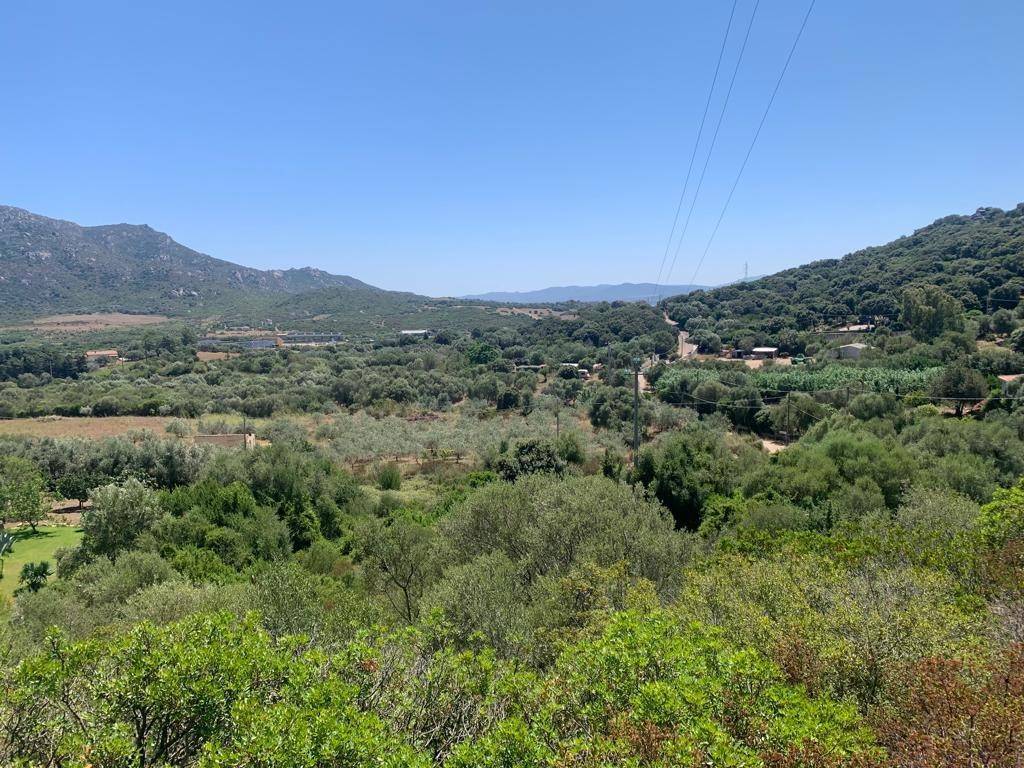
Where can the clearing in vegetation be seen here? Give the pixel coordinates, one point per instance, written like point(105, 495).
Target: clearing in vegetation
point(33, 548)
point(99, 321)
point(89, 427)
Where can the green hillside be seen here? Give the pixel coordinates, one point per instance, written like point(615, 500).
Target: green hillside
point(371, 313)
point(48, 266)
point(978, 260)
point(53, 266)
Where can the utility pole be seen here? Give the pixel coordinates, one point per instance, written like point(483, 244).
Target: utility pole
point(787, 418)
point(558, 424)
point(636, 409)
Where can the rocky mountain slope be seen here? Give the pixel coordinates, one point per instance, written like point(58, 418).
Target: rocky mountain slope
point(49, 265)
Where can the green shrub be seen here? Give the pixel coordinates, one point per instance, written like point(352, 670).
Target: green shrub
point(389, 478)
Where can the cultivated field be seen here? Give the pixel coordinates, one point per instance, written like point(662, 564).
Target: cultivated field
point(207, 356)
point(99, 321)
point(86, 426)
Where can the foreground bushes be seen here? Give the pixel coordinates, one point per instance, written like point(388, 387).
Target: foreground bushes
point(959, 714)
point(558, 620)
point(209, 691)
point(216, 691)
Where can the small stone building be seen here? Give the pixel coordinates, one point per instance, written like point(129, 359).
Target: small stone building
point(851, 351)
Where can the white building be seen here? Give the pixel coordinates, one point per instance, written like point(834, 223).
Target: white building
point(852, 351)
point(1007, 379)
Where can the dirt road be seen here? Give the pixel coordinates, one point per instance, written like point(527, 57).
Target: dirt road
point(685, 347)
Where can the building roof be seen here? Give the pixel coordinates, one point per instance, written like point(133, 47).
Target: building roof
point(1010, 376)
point(765, 349)
point(854, 345)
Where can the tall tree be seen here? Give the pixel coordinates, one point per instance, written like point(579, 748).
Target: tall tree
point(929, 312)
point(21, 492)
point(118, 515)
point(960, 384)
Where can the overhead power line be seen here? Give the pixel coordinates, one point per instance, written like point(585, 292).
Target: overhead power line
point(753, 142)
point(696, 144)
point(714, 140)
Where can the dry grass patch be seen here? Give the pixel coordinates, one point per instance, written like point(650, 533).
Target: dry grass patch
point(93, 322)
point(89, 427)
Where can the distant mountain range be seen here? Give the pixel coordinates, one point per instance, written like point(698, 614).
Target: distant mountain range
point(649, 292)
point(49, 265)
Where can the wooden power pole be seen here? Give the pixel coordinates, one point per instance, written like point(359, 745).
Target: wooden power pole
point(636, 409)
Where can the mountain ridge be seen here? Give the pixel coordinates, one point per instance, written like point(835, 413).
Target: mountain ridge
point(55, 265)
point(975, 259)
point(587, 293)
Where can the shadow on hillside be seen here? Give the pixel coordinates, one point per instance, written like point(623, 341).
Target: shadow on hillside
point(25, 534)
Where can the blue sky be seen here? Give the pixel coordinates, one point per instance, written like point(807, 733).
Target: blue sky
point(454, 147)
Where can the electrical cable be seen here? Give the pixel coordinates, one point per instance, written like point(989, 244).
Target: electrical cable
point(696, 144)
point(714, 140)
point(753, 142)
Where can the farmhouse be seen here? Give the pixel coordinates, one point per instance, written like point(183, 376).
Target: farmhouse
point(580, 371)
point(245, 441)
point(852, 329)
point(305, 339)
point(1007, 379)
point(764, 353)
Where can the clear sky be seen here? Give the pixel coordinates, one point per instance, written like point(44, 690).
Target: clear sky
point(454, 147)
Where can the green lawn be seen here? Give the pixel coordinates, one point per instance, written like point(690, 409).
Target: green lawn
point(31, 548)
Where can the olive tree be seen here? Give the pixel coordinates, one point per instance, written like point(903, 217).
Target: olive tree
point(119, 514)
point(21, 492)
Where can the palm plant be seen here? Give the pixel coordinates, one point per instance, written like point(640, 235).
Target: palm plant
point(34, 575)
point(6, 545)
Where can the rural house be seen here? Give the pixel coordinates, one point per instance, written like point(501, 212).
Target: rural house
point(851, 351)
point(1007, 379)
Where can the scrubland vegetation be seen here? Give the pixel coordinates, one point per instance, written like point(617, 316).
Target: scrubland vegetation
point(443, 553)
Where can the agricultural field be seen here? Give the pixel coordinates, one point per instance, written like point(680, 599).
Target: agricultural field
point(420, 520)
point(88, 428)
point(403, 461)
point(98, 321)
